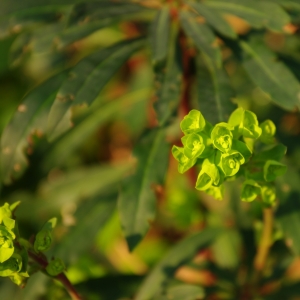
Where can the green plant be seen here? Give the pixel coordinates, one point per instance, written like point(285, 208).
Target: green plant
point(93, 93)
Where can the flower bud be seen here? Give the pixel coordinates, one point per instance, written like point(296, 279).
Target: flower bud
point(268, 194)
point(184, 163)
point(273, 169)
point(250, 190)
point(43, 240)
point(222, 137)
point(208, 176)
point(55, 267)
point(193, 122)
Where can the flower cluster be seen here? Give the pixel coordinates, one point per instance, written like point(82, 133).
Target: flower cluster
point(228, 150)
point(13, 261)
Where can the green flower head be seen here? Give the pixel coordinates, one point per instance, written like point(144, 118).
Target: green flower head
point(216, 191)
point(273, 169)
point(221, 136)
point(6, 243)
point(250, 190)
point(268, 194)
point(43, 240)
point(55, 267)
point(193, 145)
point(208, 176)
point(184, 163)
point(11, 266)
point(230, 162)
point(245, 123)
point(268, 131)
point(193, 122)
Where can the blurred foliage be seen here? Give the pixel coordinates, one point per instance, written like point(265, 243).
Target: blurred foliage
point(92, 93)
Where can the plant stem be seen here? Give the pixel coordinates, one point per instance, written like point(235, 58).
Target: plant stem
point(62, 278)
point(266, 240)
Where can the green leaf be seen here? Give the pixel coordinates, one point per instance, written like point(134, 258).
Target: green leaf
point(30, 117)
point(85, 82)
point(168, 78)
point(43, 238)
point(137, 202)
point(160, 35)
point(213, 18)
point(272, 76)
point(93, 214)
point(96, 116)
point(276, 152)
point(202, 36)
point(183, 292)
point(184, 162)
point(273, 169)
point(177, 256)
point(214, 91)
point(257, 13)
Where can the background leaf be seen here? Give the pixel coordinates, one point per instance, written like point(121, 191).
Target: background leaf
point(137, 202)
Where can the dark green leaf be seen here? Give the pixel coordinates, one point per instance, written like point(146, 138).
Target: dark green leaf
point(92, 215)
point(272, 76)
point(85, 82)
point(213, 18)
point(177, 256)
point(214, 91)
point(256, 13)
point(30, 117)
point(160, 36)
point(202, 36)
point(168, 82)
point(137, 202)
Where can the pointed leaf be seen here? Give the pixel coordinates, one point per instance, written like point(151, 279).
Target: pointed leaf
point(202, 36)
point(85, 82)
point(137, 202)
point(30, 117)
point(214, 91)
point(183, 292)
point(177, 256)
point(272, 76)
point(214, 18)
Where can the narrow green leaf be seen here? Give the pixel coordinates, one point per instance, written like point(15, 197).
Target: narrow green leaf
point(177, 256)
point(160, 34)
point(29, 118)
point(93, 214)
point(168, 80)
point(183, 292)
point(213, 18)
point(257, 13)
point(202, 36)
point(214, 91)
point(137, 202)
point(85, 82)
point(272, 76)
point(97, 116)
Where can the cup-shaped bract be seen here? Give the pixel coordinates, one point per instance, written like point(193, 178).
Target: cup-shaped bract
point(11, 266)
point(268, 194)
point(245, 123)
point(242, 148)
point(231, 162)
point(221, 137)
point(193, 145)
point(42, 240)
point(273, 169)
point(6, 243)
point(216, 191)
point(184, 163)
point(208, 176)
point(193, 122)
point(250, 190)
point(55, 267)
point(268, 131)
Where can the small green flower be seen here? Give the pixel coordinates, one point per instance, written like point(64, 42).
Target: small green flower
point(216, 191)
point(208, 176)
point(11, 266)
point(242, 148)
point(43, 240)
point(193, 122)
point(193, 145)
point(184, 163)
point(231, 162)
point(221, 136)
point(250, 190)
point(55, 267)
point(268, 194)
point(19, 278)
point(245, 123)
point(273, 169)
point(268, 131)
point(6, 243)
